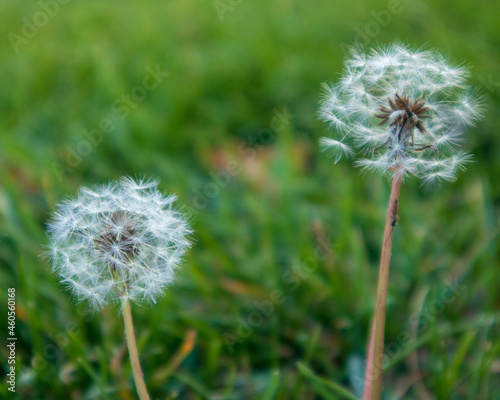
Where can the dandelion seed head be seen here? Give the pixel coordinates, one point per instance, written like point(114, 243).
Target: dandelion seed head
point(117, 240)
point(402, 107)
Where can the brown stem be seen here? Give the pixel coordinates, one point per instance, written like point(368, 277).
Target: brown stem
point(383, 281)
point(367, 391)
point(132, 351)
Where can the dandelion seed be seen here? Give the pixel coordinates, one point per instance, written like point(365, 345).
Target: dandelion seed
point(336, 148)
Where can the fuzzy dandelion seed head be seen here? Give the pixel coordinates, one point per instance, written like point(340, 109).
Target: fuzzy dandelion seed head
point(116, 241)
point(403, 111)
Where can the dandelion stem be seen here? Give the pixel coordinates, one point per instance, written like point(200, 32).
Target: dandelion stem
point(132, 351)
point(367, 391)
point(383, 281)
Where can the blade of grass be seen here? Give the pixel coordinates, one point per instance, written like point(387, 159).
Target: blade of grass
point(272, 386)
point(309, 350)
point(231, 379)
point(184, 350)
point(99, 382)
point(336, 388)
point(443, 331)
point(192, 382)
point(460, 354)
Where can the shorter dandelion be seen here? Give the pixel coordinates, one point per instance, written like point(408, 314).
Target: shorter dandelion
point(117, 243)
point(400, 112)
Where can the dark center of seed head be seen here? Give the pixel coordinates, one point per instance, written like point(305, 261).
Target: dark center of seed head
point(413, 111)
point(117, 244)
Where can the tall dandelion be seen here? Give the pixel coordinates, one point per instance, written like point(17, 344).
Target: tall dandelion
point(399, 112)
point(118, 243)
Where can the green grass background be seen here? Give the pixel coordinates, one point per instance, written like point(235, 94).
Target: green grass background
point(259, 232)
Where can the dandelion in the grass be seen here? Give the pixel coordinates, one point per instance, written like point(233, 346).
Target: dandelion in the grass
point(119, 242)
point(403, 111)
point(116, 241)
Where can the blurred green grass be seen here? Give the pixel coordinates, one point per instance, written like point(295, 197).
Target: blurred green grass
point(260, 231)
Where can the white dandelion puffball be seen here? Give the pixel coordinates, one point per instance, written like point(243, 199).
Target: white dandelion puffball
point(118, 241)
point(405, 110)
